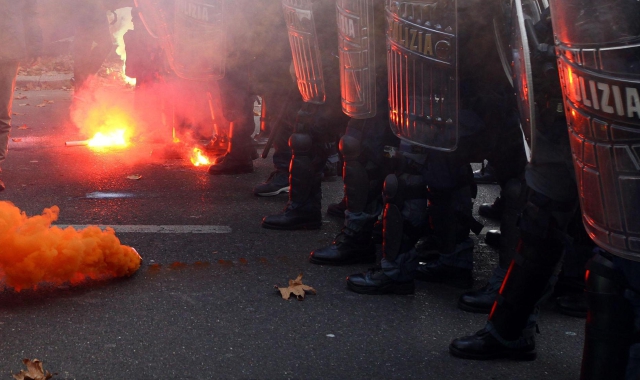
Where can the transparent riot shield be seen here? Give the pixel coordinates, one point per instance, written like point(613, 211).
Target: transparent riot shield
point(524, 14)
point(303, 38)
point(192, 34)
point(423, 72)
point(357, 57)
point(598, 48)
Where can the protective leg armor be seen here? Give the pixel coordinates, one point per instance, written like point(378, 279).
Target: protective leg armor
point(543, 225)
point(392, 220)
point(448, 239)
point(395, 276)
point(356, 181)
point(509, 329)
point(301, 170)
point(354, 243)
point(609, 331)
point(305, 196)
point(481, 301)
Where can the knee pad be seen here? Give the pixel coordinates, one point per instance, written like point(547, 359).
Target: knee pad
point(350, 148)
point(300, 143)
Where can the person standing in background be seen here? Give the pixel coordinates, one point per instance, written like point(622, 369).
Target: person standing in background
point(21, 41)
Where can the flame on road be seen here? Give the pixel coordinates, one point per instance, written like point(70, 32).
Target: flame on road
point(198, 158)
point(111, 139)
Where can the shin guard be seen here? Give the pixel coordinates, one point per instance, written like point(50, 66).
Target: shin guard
point(610, 323)
point(301, 169)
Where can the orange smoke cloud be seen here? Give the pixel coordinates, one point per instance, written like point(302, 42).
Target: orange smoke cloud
point(32, 251)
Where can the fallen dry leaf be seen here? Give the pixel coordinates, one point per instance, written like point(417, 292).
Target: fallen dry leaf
point(23, 126)
point(25, 104)
point(297, 288)
point(49, 101)
point(42, 105)
point(135, 177)
point(21, 97)
point(18, 114)
point(16, 140)
point(34, 371)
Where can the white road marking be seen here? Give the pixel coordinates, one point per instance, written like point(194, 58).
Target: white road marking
point(176, 229)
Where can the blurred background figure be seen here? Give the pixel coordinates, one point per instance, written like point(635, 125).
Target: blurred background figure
point(21, 41)
point(92, 41)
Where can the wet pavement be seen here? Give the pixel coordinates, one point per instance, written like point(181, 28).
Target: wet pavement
point(203, 304)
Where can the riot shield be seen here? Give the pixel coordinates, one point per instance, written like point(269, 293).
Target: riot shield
point(357, 57)
point(524, 12)
point(598, 49)
point(192, 34)
point(303, 38)
point(422, 60)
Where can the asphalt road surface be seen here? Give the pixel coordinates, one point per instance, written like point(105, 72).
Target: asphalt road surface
point(203, 305)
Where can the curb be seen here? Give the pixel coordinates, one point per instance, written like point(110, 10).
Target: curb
point(59, 80)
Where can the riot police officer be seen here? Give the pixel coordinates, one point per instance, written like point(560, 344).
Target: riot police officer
point(594, 118)
point(364, 89)
point(237, 87)
point(432, 190)
point(312, 33)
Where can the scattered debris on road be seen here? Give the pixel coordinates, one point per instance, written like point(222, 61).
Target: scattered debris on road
point(34, 371)
point(297, 288)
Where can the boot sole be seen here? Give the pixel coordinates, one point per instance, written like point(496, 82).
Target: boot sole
point(399, 289)
point(473, 309)
point(274, 193)
point(356, 260)
point(304, 226)
point(513, 355)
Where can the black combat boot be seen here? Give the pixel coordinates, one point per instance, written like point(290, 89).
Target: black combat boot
point(506, 334)
point(337, 209)
point(514, 196)
point(481, 300)
point(395, 275)
point(305, 192)
point(354, 243)
point(492, 210)
point(239, 157)
point(450, 215)
point(278, 182)
point(347, 248)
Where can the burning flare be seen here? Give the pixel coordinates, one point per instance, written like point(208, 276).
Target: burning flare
point(32, 251)
point(112, 127)
point(111, 139)
point(198, 158)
